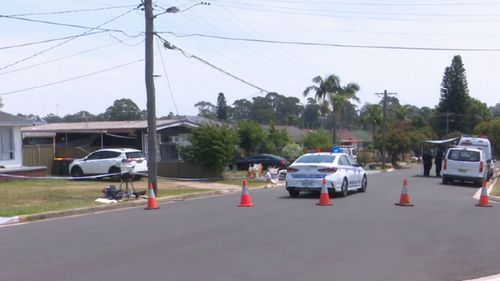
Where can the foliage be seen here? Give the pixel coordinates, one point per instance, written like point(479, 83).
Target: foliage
point(363, 157)
point(311, 114)
point(251, 136)
point(212, 147)
point(317, 139)
point(206, 109)
point(123, 110)
point(292, 151)
point(454, 97)
point(276, 140)
point(221, 107)
point(491, 129)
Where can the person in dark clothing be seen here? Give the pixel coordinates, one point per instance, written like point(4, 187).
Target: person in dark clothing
point(427, 160)
point(439, 162)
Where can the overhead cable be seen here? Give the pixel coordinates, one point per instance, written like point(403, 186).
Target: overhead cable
point(69, 79)
point(338, 45)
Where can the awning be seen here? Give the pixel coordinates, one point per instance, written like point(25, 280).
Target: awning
point(447, 141)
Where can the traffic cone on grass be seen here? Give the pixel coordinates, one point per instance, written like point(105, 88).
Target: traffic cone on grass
point(404, 200)
point(246, 200)
point(484, 199)
point(152, 204)
point(324, 197)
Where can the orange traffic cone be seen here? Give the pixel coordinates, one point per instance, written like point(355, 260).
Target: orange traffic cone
point(246, 200)
point(484, 200)
point(152, 205)
point(324, 198)
point(404, 200)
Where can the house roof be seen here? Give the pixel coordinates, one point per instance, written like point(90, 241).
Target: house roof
point(7, 119)
point(111, 126)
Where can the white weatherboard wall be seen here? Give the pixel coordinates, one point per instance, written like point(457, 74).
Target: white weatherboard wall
point(18, 157)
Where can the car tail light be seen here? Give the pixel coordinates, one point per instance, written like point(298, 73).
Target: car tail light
point(481, 166)
point(445, 164)
point(291, 170)
point(328, 170)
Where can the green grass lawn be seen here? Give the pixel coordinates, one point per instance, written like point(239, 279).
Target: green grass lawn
point(22, 197)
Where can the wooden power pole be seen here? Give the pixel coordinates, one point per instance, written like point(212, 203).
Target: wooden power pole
point(150, 92)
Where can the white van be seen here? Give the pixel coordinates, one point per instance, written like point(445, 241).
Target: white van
point(482, 144)
point(464, 164)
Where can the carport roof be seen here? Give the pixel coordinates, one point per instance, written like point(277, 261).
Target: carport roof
point(109, 126)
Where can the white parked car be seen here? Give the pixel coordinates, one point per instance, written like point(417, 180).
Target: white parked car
point(464, 164)
point(110, 161)
point(341, 171)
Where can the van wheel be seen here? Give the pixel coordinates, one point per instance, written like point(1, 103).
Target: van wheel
point(445, 180)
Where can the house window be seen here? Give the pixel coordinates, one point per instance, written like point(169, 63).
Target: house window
point(6, 144)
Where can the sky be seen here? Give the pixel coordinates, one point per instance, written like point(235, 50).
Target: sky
point(63, 56)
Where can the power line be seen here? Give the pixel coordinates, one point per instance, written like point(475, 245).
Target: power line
point(69, 79)
point(66, 41)
point(375, 4)
point(166, 75)
point(170, 46)
point(45, 41)
point(72, 11)
point(69, 56)
point(73, 25)
point(338, 45)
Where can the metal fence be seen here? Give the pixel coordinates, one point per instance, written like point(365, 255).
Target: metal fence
point(39, 155)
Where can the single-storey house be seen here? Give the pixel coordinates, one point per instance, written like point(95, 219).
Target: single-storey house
point(75, 140)
point(11, 154)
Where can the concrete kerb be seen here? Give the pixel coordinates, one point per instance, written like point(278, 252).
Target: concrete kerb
point(108, 207)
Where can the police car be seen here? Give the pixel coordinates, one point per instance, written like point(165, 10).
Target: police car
point(341, 172)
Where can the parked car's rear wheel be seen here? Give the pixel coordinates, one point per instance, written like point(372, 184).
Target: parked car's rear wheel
point(445, 180)
point(76, 172)
point(364, 184)
point(293, 193)
point(344, 189)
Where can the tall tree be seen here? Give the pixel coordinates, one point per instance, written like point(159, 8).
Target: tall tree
point(311, 114)
point(454, 95)
point(123, 110)
point(338, 95)
point(206, 109)
point(242, 109)
point(324, 88)
point(221, 107)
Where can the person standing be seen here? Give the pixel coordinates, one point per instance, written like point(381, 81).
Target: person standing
point(427, 161)
point(438, 161)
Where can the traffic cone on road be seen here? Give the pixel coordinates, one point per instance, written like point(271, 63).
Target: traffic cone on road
point(152, 204)
point(484, 199)
point(324, 197)
point(246, 200)
point(404, 200)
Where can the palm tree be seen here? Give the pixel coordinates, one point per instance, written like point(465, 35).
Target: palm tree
point(338, 95)
point(342, 97)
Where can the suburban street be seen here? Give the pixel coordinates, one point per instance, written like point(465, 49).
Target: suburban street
point(361, 237)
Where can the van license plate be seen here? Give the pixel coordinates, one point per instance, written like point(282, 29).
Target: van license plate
point(462, 170)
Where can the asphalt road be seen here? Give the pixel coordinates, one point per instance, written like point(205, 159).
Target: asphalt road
point(361, 237)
